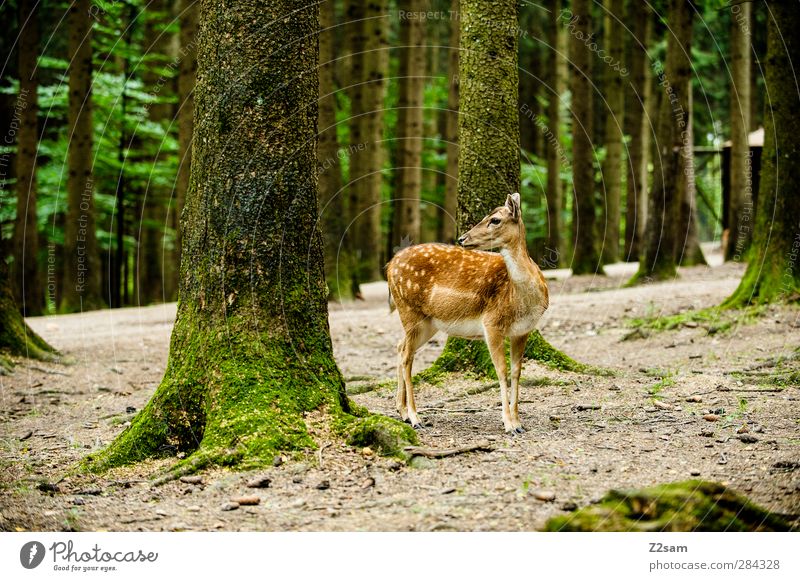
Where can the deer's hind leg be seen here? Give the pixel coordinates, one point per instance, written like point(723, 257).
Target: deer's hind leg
point(417, 335)
point(517, 351)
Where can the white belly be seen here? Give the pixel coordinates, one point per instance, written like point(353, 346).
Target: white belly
point(467, 328)
point(525, 324)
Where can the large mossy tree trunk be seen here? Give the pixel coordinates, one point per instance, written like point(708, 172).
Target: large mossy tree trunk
point(408, 188)
point(664, 206)
point(614, 32)
point(773, 270)
point(740, 211)
point(333, 209)
point(250, 353)
point(637, 126)
point(489, 160)
point(26, 231)
point(586, 256)
point(187, 71)
point(16, 337)
point(82, 276)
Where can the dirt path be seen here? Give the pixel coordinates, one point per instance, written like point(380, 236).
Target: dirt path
point(52, 415)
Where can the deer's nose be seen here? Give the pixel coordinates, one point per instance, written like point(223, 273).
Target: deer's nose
point(461, 240)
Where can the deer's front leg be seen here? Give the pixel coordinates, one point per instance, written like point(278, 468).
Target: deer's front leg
point(517, 351)
point(495, 342)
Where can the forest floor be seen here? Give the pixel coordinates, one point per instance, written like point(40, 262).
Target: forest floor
point(586, 433)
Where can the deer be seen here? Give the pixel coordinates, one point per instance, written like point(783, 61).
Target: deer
point(467, 291)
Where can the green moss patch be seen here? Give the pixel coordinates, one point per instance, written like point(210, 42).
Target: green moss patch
point(713, 319)
point(692, 505)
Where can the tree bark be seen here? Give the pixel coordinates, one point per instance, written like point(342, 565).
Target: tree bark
point(187, 71)
point(637, 126)
point(251, 352)
point(406, 208)
point(740, 215)
point(552, 256)
point(451, 131)
point(369, 237)
point(333, 209)
point(614, 122)
point(773, 270)
point(672, 135)
point(82, 284)
point(586, 257)
point(26, 231)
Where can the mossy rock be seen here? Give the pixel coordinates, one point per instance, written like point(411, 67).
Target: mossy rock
point(692, 505)
point(389, 437)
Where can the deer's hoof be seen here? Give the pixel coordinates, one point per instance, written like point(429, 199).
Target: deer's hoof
point(418, 426)
point(519, 430)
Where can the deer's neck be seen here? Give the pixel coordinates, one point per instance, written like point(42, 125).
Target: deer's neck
point(519, 265)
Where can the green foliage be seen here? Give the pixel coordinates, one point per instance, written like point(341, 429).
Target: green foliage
point(713, 319)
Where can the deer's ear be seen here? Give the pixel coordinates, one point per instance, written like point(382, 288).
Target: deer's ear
point(513, 205)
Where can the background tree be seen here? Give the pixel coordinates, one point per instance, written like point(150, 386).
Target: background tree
point(408, 188)
point(553, 252)
point(614, 31)
point(637, 125)
point(773, 270)
point(251, 351)
point(740, 222)
point(688, 251)
point(26, 230)
point(333, 210)
point(661, 240)
point(586, 257)
point(450, 205)
point(81, 290)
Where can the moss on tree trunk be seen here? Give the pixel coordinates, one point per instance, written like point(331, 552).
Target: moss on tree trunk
point(773, 271)
point(251, 352)
point(692, 505)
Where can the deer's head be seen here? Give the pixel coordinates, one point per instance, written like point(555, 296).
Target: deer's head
point(500, 229)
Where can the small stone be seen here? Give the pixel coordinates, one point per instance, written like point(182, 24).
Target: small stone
point(230, 506)
point(259, 482)
point(569, 506)
point(246, 500)
point(662, 405)
point(711, 417)
point(748, 439)
point(694, 472)
point(130, 409)
point(759, 429)
point(323, 485)
point(25, 436)
point(193, 508)
point(297, 480)
point(161, 512)
point(690, 324)
point(707, 433)
point(544, 496)
point(78, 501)
point(743, 429)
point(694, 399)
point(368, 482)
point(367, 451)
point(277, 461)
point(191, 479)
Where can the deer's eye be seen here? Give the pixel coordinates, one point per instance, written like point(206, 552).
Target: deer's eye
point(494, 221)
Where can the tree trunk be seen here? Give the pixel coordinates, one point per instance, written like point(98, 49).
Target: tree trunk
point(82, 284)
point(637, 126)
point(16, 338)
point(187, 71)
point(689, 252)
point(773, 270)
point(251, 351)
point(552, 256)
point(369, 235)
point(740, 215)
point(664, 209)
point(406, 208)
point(586, 258)
point(333, 210)
point(451, 131)
point(26, 231)
point(614, 31)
